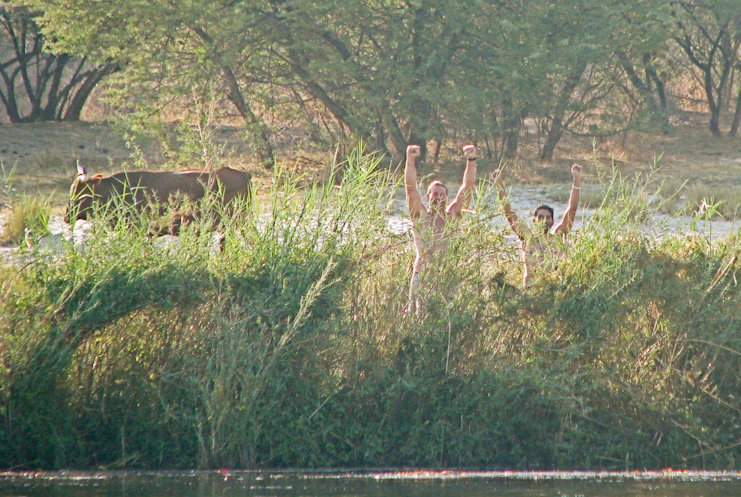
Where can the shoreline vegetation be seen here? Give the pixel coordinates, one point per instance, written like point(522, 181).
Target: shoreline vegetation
point(290, 348)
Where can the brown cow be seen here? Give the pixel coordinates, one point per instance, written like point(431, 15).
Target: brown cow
point(137, 191)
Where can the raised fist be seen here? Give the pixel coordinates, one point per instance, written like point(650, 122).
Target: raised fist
point(576, 171)
point(413, 151)
point(469, 151)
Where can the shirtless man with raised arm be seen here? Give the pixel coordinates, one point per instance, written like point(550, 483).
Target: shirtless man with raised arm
point(533, 244)
point(430, 223)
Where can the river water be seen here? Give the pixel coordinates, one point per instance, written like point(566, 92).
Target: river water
point(225, 483)
point(61, 234)
point(383, 483)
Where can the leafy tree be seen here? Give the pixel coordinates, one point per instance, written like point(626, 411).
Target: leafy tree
point(39, 86)
point(641, 51)
point(709, 34)
point(556, 63)
point(170, 50)
point(389, 72)
point(582, 52)
point(382, 68)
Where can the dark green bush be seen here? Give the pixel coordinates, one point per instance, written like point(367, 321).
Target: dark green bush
point(291, 347)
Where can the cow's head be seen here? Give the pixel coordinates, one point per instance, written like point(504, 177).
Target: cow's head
point(81, 195)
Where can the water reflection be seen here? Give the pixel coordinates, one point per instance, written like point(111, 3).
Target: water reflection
point(378, 484)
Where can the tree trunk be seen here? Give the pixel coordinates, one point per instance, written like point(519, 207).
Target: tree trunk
point(395, 136)
point(554, 136)
point(265, 152)
point(714, 105)
point(512, 124)
point(8, 98)
point(380, 135)
point(556, 129)
point(53, 98)
point(235, 95)
point(438, 146)
point(80, 97)
point(659, 98)
point(416, 139)
point(736, 116)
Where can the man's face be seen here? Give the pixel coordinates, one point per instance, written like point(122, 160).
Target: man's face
point(438, 197)
point(544, 217)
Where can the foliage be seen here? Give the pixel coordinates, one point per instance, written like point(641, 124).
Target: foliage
point(169, 54)
point(37, 85)
point(290, 347)
point(709, 35)
point(387, 72)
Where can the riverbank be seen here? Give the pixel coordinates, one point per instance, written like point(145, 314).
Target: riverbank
point(44, 157)
point(291, 346)
point(374, 483)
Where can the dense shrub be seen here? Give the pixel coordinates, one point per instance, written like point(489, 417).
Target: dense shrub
point(290, 347)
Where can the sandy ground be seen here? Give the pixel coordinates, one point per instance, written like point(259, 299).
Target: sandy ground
point(61, 234)
point(523, 200)
point(43, 155)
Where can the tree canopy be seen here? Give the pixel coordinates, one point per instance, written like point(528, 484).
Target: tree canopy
point(36, 85)
point(393, 72)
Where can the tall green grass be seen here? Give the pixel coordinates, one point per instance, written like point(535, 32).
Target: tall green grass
point(716, 201)
point(290, 347)
point(26, 216)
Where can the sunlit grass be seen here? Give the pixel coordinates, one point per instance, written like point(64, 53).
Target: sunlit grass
point(289, 345)
point(699, 198)
point(26, 217)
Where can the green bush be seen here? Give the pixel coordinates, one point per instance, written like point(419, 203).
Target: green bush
point(290, 347)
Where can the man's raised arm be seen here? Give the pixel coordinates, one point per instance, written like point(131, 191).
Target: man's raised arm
point(414, 200)
point(465, 192)
point(568, 217)
point(518, 227)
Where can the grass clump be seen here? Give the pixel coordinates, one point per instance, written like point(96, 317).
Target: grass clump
point(701, 199)
point(290, 347)
point(25, 215)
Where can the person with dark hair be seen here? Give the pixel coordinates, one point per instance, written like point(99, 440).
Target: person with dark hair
point(432, 221)
point(535, 243)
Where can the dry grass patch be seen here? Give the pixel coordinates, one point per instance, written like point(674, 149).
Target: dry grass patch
point(28, 216)
point(45, 155)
